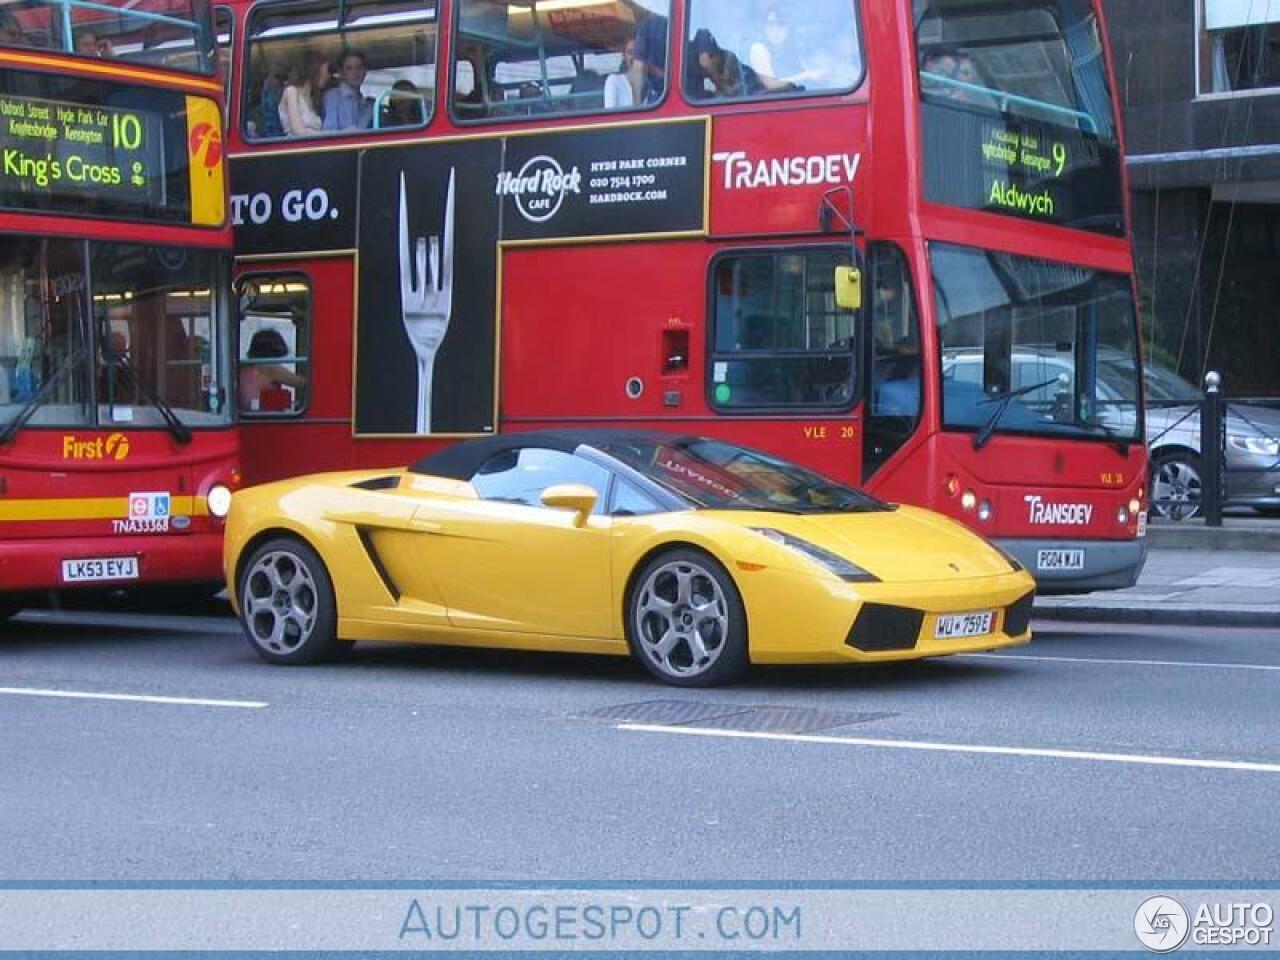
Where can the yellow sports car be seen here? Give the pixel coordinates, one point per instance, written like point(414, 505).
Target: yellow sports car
point(695, 556)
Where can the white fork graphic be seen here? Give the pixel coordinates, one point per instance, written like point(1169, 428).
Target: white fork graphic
point(426, 298)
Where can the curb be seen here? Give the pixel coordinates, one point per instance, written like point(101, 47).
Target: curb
point(1194, 535)
point(1163, 615)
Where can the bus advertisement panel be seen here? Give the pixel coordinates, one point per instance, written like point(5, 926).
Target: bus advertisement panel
point(499, 243)
point(117, 443)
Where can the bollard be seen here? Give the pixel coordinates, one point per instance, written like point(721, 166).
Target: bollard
point(1211, 449)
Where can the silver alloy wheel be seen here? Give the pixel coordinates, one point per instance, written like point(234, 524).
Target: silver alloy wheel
point(280, 602)
point(1176, 489)
point(681, 619)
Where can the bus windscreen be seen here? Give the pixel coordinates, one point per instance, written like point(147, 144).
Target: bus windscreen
point(1017, 111)
point(98, 149)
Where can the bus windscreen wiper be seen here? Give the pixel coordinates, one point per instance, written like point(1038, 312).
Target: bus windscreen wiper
point(37, 401)
point(983, 436)
point(181, 432)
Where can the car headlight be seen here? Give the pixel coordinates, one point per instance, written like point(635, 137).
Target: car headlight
point(846, 570)
point(219, 501)
point(1257, 446)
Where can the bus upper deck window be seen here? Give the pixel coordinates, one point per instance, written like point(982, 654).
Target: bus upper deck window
point(737, 51)
point(530, 60)
point(320, 67)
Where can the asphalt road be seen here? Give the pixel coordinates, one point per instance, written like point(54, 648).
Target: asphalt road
point(1097, 754)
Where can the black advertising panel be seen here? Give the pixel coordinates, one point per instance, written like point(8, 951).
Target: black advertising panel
point(294, 203)
point(610, 182)
point(426, 338)
point(1022, 167)
point(431, 225)
point(99, 149)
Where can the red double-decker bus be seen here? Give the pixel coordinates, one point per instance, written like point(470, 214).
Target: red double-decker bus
point(118, 446)
point(888, 239)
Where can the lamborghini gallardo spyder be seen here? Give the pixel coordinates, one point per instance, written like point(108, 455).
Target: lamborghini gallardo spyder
point(695, 556)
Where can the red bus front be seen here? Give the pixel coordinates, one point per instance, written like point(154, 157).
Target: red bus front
point(117, 444)
point(646, 228)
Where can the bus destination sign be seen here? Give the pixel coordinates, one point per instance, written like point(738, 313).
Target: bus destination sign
point(1022, 167)
point(50, 148)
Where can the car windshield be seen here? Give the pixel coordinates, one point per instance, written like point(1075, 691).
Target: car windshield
point(715, 475)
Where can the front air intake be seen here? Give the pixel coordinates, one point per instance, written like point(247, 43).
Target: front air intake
point(1017, 619)
point(881, 628)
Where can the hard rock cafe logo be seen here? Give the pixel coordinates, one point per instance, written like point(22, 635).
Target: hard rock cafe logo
point(114, 446)
point(539, 188)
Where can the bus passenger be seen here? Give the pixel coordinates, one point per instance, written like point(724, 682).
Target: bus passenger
point(651, 55)
point(404, 106)
point(300, 104)
point(259, 378)
point(89, 44)
point(727, 75)
point(345, 107)
point(775, 55)
point(626, 87)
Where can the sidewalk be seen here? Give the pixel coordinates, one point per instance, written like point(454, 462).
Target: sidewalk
point(1210, 587)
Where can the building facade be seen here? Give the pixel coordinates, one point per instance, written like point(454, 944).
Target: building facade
point(1200, 81)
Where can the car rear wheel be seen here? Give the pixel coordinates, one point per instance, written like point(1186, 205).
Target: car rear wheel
point(287, 604)
point(685, 621)
point(1176, 485)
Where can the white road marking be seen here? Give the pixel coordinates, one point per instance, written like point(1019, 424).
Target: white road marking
point(131, 698)
point(1125, 663)
point(931, 747)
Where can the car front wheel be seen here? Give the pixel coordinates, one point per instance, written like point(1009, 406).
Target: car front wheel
point(287, 604)
point(1176, 485)
point(685, 621)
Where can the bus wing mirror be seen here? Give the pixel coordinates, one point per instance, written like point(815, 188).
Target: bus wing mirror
point(849, 288)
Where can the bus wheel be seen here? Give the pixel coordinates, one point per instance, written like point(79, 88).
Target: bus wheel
point(685, 621)
point(287, 604)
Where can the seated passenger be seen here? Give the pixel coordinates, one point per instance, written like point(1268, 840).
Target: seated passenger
point(269, 107)
point(938, 67)
point(626, 87)
point(651, 55)
point(345, 107)
point(404, 106)
point(726, 74)
point(90, 44)
point(776, 55)
point(259, 378)
point(300, 104)
point(470, 102)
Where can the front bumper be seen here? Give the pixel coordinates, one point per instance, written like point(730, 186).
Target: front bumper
point(880, 622)
point(1107, 564)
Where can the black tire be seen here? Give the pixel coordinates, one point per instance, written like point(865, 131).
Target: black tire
point(291, 618)
point(1177, 482)
point(664, 598)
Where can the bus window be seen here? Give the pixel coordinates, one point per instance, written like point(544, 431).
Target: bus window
point(224, 34)
point(320, 67)
point(896, 371)
point(737, 51)
point(164, 33)
point(274, 344)
point(42, 333)
point(1017, 113)
point(542, 58)
point(778, 337)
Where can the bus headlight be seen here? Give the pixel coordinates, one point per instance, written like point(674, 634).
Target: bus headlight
point(219, 501)
point(969, 501)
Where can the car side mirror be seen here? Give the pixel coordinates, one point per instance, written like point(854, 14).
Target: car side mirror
point(849, 288)
point(577, 497)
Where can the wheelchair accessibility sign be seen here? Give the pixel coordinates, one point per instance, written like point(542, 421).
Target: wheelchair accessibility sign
point(149, 506)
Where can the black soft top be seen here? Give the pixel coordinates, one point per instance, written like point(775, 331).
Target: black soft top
point(462, 460)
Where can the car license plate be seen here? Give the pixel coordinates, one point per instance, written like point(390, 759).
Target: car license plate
point(103, 568)
point(1060, 560)
point(958, 625)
